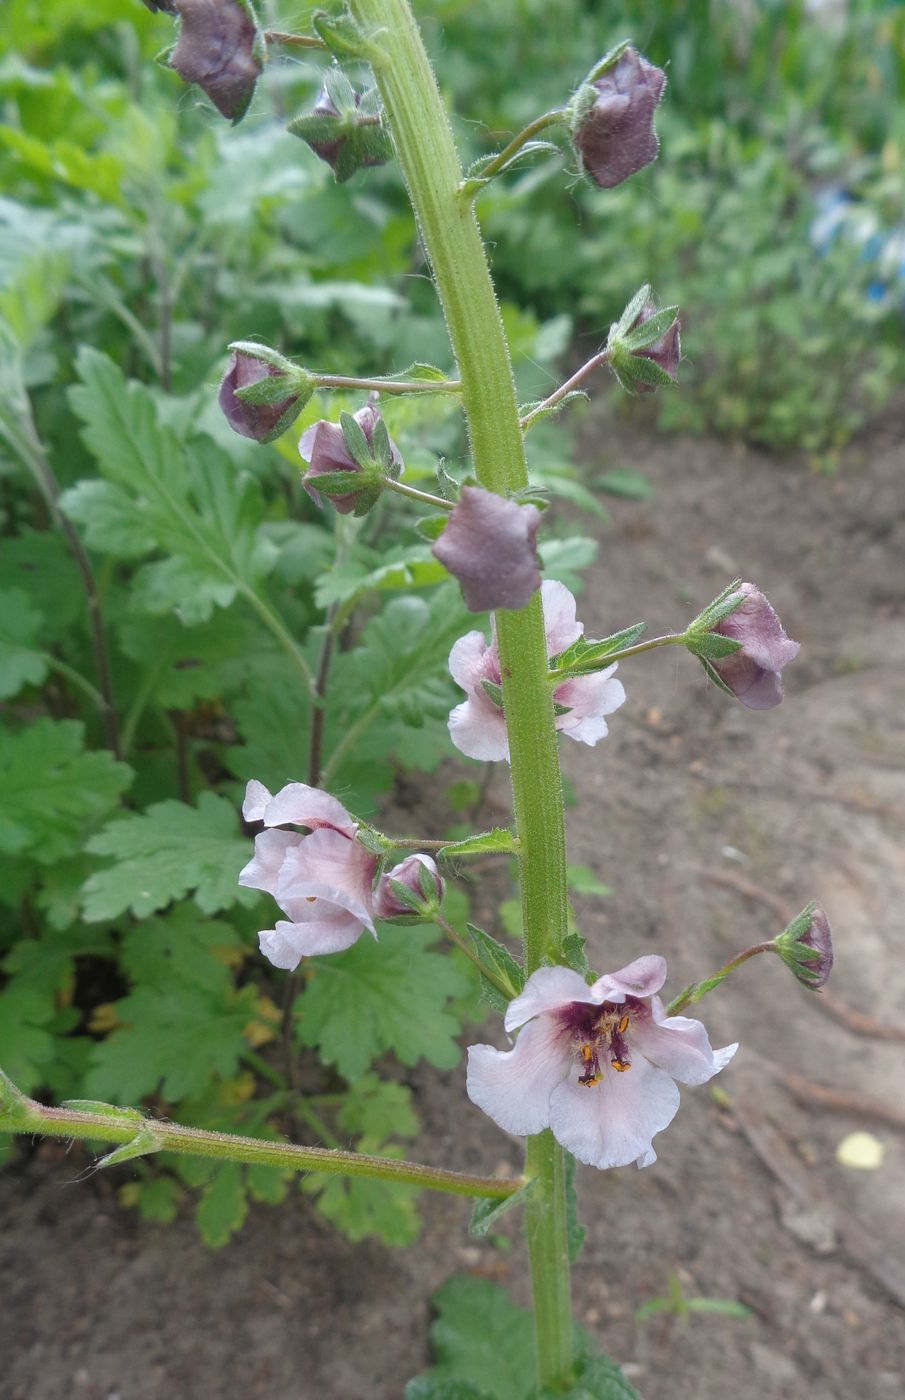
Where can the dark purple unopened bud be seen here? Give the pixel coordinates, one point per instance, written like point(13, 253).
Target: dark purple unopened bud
point(325, 448)
point(489, 545)
point(806, 947)
point(665, 351)
point(268, 410)
point(221, 49)
point(613, 118)
point(752, 673)
point(344, 127)
point(412, 889)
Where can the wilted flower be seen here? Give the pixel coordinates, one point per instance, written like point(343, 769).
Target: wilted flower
point(411, 890)
point(321, 880)
point(477, 726)
point(488, 545)
point(221, 49)
point(325, 447)
point(806, 947)
point(752, 672)
point(597, 1065)
point(613, 118)
point(265, 412)
point(344, 128)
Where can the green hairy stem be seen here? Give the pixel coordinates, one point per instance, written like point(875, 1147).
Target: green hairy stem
point(452, 239)
point(140, 1135)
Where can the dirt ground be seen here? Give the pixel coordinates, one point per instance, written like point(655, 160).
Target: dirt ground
point(691, 800)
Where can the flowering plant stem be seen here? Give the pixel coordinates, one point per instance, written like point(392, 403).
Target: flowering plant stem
point(692, 994)
point(430, 164)
point(102, 1123)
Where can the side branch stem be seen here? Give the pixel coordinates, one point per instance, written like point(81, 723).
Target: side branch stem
point(388, 386)
point(601, 358)
point(19, 1114)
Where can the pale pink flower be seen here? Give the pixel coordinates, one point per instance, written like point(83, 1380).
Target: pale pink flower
point(597, 1065)
point(322, 880)
point(477, 726)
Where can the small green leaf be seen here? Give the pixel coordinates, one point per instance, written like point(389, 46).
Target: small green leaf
point(223, 1205)
point(494, 692)
point(144, 1141)
point(499, 839)
point(498, 967)
point(587, 654)
point(633, 485)
point(21, 663)
point(479, 1339)
point(573, 950)
point(487, 1211)
point(583, 880)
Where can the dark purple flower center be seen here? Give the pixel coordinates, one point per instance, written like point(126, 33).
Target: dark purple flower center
point(599, 1035)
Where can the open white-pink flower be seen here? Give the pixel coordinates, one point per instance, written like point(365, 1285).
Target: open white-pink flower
point(477, 726)
point(322, 880)
point(598, 1065)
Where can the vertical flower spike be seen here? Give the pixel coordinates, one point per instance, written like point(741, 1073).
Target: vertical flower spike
point(477, 727)
point(488, 545)
point(221, 49)
point(612, 119)
point(597, 1065)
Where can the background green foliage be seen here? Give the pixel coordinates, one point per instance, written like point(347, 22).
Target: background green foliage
point(139, 234)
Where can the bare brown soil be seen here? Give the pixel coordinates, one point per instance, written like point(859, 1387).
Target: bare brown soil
point(747, 1201)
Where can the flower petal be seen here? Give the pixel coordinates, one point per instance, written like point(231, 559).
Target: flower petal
point(329, 867)
point(560, 623)
point(262, 871)
point(488, 544)
point(301, 805)
point(514, 1086)
point(288, 943)
point(589, 698)
point(641, 978)
point(548, 989)
point(257, 797)
point(478, 729)
point(679, 1045)
point(612, 1123)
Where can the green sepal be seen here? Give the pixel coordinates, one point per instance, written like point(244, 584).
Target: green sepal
point(716, 678)
point(341, 483)
point(447, 484)
point(339, 90)
point(561, 709)
point(358, 446)
point(374, 840)
point(712, 645)
point(609, 60)
point(487, 1210)
point(475, 180)
point(638, 369)
point(631, 313)
point(723, 604)
point(586, 654)
point(382, 450)
point(431, 527)
point(493, 692)
point(144, 1142)
point(499, 839)
point(650, 330)
point(501, 964)
point(317, 126)
point(255, 350)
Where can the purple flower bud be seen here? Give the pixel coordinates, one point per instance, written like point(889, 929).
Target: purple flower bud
point(267, 418)
point(344, 127)
point(221, 49)
point(489, 545)
point(664, 352)
point(613, 118)
point(806, 948)
point(752, 673)
point(323, 446)
point(412, 889)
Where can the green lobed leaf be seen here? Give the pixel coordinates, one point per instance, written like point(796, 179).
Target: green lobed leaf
point(223, 1205)
point(162, 854)
point(21, 663)
point(400, 992)
point(54, 792)
point(367, 1207)
point(377, 1108)
point(479, 1339)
